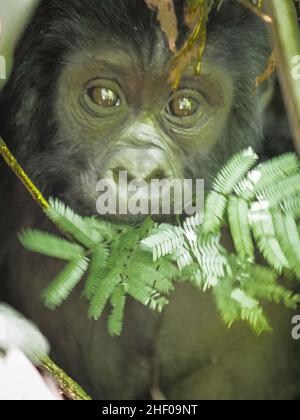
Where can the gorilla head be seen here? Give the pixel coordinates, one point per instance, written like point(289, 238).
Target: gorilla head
point(89, 97)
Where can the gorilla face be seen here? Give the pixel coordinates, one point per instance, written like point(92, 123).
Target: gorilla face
point(89, 98)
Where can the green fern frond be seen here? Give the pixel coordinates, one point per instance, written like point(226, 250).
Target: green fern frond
point(193, 221)
point(97, 270)
point(279, 167)
point(146, 228)
point(262, 284)
point(234, 305)
point(164, 285)
point(183, 257)
point(145, 294)
point(166, 268)
point(274, 195)
point(234, 171)
point(267, 174)
point(194, 275)
point(291, 205)
point(145, 272)
point(210, 257)
point(238, 215)
point(115, 320)
point(103, 293)
point(165, 240)
point(262, 206)
point(106, 231)
point(227, 307)
point(72, 223)
point(60, 288)
point(50, 245)
point(287, 234)
point(215, 208)
point(264, 232)
point(251, 312)
point(157, 303)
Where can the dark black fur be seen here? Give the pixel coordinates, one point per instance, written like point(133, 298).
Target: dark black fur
point(59, 27)
point(187, 352)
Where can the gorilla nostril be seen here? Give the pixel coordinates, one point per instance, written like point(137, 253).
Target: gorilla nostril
point(158, 174)
point(116, 174)
point(130, 177)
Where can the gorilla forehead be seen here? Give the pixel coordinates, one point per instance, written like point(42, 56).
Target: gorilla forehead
point(72, 22)
point(64, 25)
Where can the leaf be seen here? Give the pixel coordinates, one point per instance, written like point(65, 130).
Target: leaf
point(251, 311)
point(228, 308)
point(238, 212)
point(264, 232)
point(168, 20)
point(215, 207)
point(291, 205)
point(274, 195)
point(97, 270)
point(262, 203)
point(60, 288)
point(71, 223)
point(270, 69)
point(211, 259)
point(287, 234)
point(103, 293)
point(267, 174)
point(50, 245)
point(192, 51)
point(234, 171)
point(164, 240)
point(261, 283)
point(115, 321)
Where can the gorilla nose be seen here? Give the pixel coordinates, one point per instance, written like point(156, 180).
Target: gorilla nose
point(140, 164)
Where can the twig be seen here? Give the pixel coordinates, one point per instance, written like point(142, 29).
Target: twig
point(19, 172)
point(256, 10)
point(286, 36)
point(69, 387)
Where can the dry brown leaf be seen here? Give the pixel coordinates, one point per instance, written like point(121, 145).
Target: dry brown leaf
point(270, 69)
point(168, 20)
point(193, 49)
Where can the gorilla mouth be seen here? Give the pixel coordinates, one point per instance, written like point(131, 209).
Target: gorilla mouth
point(125, 196)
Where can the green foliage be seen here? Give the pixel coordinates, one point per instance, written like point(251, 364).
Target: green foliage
point(256, 207)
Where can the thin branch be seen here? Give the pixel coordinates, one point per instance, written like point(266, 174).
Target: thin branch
point(19, 172)
point(256, 10)
point(286, 36)
point(69, 387)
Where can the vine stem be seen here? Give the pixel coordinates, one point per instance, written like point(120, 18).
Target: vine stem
point(23, 177)
point(69, 387)
point(286, 37)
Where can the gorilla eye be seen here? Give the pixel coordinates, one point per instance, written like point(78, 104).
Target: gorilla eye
point(104, 97)
point(183, 106)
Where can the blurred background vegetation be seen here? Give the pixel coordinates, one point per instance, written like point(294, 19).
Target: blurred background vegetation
point(14, 15)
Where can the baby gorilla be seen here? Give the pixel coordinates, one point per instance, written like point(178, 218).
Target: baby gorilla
point(88, 98)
